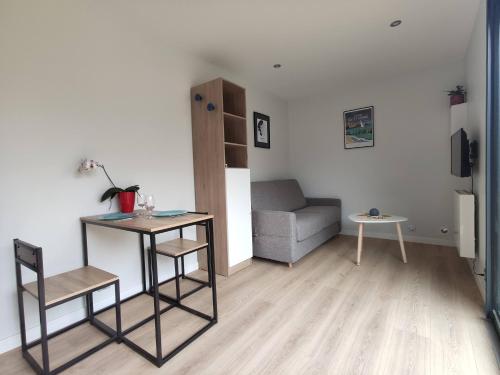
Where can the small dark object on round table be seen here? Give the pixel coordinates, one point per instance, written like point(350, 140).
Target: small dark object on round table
point(374, 212)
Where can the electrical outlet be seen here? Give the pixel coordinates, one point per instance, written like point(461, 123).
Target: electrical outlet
point(411, 228)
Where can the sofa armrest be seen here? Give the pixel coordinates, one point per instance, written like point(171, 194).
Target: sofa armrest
point(274, 223)
point(324, 202)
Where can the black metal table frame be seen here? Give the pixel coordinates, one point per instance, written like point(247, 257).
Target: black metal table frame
point(154, 292)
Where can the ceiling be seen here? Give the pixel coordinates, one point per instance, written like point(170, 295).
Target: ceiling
point(320, 43)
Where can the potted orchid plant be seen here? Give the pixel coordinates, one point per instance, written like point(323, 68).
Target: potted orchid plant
point(457, 96)
point(126, 197)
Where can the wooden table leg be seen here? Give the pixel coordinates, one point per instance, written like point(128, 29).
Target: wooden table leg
point(401, 243)
point(360, 243)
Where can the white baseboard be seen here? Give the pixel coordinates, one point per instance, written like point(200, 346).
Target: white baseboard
point(394, 236)
point(427, 240)
point(480, 282)
point(33, 333)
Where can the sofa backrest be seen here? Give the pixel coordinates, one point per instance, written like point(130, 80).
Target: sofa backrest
point(279, 195)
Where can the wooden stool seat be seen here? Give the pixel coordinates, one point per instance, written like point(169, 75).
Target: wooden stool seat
point(179, 246)
point(67, 285)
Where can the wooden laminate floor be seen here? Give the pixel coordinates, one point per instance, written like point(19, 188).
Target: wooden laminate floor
point(323, 316)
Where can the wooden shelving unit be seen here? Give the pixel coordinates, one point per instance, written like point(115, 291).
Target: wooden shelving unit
point(220, 157)
point(235, 125)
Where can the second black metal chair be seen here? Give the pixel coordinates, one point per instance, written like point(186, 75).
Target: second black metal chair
point(177, 249)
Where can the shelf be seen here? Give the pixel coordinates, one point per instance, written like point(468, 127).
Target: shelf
point(232, 115)
point(233, 97)
point(235, 130)
point(234, 144)
point(236, 156)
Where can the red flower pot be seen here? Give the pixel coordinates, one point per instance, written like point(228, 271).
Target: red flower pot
point(457, 99)
point(127, 201)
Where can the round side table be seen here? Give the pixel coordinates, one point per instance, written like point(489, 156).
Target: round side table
point(363, 219)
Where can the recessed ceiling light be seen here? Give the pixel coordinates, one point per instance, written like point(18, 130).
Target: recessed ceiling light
point(277, 66)
point(396, 23)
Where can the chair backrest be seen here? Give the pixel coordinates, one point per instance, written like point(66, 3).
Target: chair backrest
point(28, 255)
point(279, 195)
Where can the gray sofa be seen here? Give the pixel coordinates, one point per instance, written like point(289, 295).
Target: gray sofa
point(286, 225)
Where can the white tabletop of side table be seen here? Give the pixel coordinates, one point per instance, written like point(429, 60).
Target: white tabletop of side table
point(363, 219)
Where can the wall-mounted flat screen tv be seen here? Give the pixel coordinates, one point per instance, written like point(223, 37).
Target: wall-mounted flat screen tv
point(460, 154)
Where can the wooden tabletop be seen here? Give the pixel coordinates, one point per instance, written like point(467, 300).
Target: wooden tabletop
point(141, 224)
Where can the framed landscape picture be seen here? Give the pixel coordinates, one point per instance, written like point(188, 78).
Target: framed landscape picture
point(261, 130)
point(359, 128)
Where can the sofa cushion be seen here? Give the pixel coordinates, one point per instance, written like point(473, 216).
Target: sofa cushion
point(281, 195)
point(313, 219)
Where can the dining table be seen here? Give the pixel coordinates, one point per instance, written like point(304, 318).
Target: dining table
point(151, 227)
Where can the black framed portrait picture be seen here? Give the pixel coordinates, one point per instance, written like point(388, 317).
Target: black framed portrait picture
point(261, 130)
point(359, 128)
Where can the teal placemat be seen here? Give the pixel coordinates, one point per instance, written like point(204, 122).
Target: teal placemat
point(170, 213)
point(116, 216)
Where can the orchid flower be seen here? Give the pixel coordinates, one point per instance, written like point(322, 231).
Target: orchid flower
point(88, 165)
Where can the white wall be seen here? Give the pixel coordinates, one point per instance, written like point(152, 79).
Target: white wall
point(475, 79)
point(273, 163)
point(408, 170)
point(75, 82)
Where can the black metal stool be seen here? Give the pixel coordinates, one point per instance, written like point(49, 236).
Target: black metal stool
point(177, 249)
point(55, 290)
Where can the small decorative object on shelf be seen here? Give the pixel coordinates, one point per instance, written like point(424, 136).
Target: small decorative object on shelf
point(374, 212)
point(457, 96)
point(126, 196)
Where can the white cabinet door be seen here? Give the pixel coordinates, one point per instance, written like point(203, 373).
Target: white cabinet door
point(239, 215)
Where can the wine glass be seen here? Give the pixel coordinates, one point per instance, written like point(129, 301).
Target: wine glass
point(150, 205)
point(141, 202)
